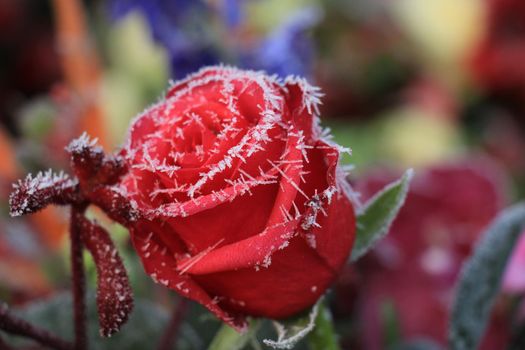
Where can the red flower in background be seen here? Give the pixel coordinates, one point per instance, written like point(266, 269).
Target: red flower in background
point(415, 268)
point(243, 206)
point(498, 61)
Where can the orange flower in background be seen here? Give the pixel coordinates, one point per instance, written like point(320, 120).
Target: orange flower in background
point(49, 222)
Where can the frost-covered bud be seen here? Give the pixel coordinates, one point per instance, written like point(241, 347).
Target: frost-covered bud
point(36, 192)
point(241, 203)
point(91, 165)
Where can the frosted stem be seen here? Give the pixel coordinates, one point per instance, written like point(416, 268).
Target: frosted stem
point(16, 326)
point(78, 278)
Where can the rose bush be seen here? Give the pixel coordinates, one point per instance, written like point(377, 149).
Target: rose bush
point(243, 207)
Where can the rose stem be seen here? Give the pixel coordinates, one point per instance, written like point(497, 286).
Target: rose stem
point(78, 279)
point(170, 333)
point(14, 325)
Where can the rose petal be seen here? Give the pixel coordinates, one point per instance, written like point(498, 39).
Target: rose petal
point(194, 206)
point(227, 222)
point(250, 252)
point(295, 275)
point(289, 169)
point(303, 101)
point(336, 210)
point(159, 262)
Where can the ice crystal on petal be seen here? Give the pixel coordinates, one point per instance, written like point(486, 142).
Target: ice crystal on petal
point(187, 264)
point(313, 207)
point(311, 94)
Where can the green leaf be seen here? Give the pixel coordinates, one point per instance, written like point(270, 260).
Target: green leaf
point(323, 337)
point(375, 218)
point(142, 331)
point(480, 279)
point(290, 332)
point(229, 339)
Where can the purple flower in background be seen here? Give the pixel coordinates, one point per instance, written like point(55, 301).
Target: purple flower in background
point(288, 49)
point(186, 28)
point(232, 12)
point(181, 26)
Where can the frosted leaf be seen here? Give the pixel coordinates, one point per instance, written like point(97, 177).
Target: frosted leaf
point(481, 277)
point(288, 335)
point(36, 192)
point(378, 214)
point(114, 295)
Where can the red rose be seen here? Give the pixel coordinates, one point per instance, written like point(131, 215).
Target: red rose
point(243, 206)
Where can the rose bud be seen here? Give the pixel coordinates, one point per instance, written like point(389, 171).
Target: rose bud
point(242, 204)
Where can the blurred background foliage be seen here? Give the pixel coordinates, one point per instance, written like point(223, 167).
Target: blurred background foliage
point(437, 85)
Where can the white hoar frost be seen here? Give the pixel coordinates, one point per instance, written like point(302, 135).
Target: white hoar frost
point(44, 180)
point(81, 143)
point(289, 336)
point(36, 190)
